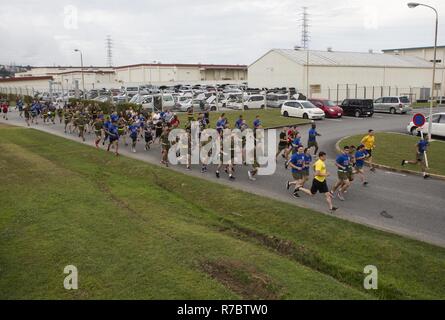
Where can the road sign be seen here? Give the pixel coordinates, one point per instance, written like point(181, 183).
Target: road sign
point(419, 120)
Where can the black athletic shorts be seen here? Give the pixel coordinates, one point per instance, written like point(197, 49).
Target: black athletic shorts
point(369, 152)
point(318, 186)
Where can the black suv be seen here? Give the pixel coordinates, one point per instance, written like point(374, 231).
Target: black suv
point(358, 107)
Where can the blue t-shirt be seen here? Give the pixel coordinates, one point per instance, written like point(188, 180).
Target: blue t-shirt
point(298, 161)
point(112, 129)
point(114, 117)
point(343, 160)
point(360, 162)
point(312, 135)
point(307, 161)
point(238, 123)
point(296, 142)
point(133, 130)
point(107, 124)
point(257, 123)
point(421, 146)
point(220, 124)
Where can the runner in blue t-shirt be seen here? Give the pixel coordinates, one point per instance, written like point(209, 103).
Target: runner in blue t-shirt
point(134, 130)
point(343, 163)
point(312, 140)
point(307, 164)
point(421, 148)
point(257, 124)
point(360, 156)
point(113, 136)
point(239, 122)
point(297, 164)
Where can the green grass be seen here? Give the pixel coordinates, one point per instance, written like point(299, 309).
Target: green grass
point(269, 117)
point(420, 105)
point(138, 231)
point(392, 148)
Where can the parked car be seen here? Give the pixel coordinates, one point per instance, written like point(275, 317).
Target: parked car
point(392, 105)
point(438, 128)
point(275, 100)
point(103, 99)
point(358, 107)
point(301, 109)
point(163, 101)
point(254, 101)
point(131, 91)
point(331, 110)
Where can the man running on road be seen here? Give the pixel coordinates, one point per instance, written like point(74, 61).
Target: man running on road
point(319, 183)
point(421, 148)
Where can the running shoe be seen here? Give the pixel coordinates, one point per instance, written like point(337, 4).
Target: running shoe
point(340, 196)
point(333, 209)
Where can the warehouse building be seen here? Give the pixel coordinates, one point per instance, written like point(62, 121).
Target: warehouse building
point(426, 53)
point(50, 71)
point(340, 75)
point(168, 74)
point(25, 85)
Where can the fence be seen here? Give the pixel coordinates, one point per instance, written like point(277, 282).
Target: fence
point(352, 91)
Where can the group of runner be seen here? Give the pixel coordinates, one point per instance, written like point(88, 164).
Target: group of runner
point(81, 119)
point(299, 158)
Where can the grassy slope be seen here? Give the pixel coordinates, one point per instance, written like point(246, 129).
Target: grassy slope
point(139, 231)
point(393, 148)
point(269, 117)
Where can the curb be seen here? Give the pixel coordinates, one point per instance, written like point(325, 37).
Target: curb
point(381, 166)
point(288, 125)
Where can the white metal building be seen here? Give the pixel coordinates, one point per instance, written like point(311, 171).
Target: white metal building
point(426, 53)
point(337, 75)
point(168, 74)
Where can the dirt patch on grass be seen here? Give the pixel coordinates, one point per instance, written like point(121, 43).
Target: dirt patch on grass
point(242, 279)
point(309, 258)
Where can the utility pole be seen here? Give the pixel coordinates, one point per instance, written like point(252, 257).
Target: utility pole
point(305, 44)
point(109, 45)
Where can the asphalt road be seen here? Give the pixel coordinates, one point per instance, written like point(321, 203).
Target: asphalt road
point(399, 203)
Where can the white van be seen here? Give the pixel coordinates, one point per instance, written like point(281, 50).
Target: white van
point(154, 102)
point(255, 101)
point(275, 100)
point(131, 91)
point(301, 109)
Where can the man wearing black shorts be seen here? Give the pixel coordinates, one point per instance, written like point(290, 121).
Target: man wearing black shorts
point(283, 144)
point(319, 183)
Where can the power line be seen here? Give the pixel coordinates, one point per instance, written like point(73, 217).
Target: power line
point(109, 45)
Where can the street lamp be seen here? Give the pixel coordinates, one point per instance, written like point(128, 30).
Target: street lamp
point(81, 71)
point(414, 5)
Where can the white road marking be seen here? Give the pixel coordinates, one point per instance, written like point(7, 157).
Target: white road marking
point(396, 173)
point(336, 120)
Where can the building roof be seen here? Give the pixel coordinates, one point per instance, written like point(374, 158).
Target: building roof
point(205, 66)
point(80, 71)
point(356, 59)
point(412, 48)
point(26, 79)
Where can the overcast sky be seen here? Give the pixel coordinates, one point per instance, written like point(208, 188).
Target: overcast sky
point(45, 32)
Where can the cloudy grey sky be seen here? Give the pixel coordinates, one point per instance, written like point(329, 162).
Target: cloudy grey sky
point(202, 31)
